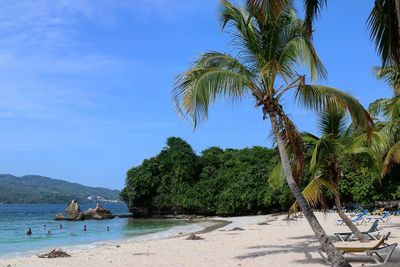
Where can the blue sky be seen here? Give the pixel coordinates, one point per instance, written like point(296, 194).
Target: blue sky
point(85, 85)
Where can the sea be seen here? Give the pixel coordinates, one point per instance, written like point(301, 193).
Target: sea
point(15, 219)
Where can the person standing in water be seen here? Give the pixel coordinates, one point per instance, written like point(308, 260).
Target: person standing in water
point(85, 228)
point(49, 232)
point(29, 232)
point(61, 226)
point(108, 228)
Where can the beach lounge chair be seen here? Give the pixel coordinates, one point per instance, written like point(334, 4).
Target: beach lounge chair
point(349, 235)
point(370, 248)
point(354, 212)
point(384, 218)
point(378, 212)
point(359, 219)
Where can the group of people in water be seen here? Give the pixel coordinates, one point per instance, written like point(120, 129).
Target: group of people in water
point(29, 232)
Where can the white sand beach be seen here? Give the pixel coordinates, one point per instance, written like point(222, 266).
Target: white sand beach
point(278, 243)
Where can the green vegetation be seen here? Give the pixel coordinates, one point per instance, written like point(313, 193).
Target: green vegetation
point(39, 189)
point(223, 182)
point(235, 182)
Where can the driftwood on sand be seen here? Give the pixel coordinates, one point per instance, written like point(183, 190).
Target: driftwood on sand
point(194, 237)
point(237, 229)
point(55, 253)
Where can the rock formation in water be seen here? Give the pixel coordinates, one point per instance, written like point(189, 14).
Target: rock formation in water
point(74, 213)
point(98, 213)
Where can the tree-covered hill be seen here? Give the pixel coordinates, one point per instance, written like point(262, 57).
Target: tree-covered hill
point(217, 182)
point(39, 189)
point(232, 182)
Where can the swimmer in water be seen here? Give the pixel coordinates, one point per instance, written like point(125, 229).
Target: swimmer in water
point(85, 228)
point(49, 232)
point(108, 228)
point(29, 232)
point(61, 226)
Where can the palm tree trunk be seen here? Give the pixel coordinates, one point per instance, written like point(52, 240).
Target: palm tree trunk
point(398, 14)
point(347, 221)
point(335, 256)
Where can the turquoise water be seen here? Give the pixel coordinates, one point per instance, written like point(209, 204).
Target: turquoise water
point(15, 219)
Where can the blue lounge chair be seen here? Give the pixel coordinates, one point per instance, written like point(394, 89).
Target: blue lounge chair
point(384, 218)
point(358, 219)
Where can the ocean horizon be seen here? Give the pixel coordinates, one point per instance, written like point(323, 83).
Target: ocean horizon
point(15, 219)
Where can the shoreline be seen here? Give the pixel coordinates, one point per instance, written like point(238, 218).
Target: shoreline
point(195, 226)
point(263, 240)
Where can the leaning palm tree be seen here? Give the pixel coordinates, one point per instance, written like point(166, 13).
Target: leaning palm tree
point(383, 23)
point(328, 153)
point(270, 46)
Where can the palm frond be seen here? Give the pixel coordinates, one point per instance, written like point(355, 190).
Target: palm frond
point(300, 50)
point(309, 138)
point(374, 147)
point(332, 121)
point(276, 178)
point(383, 25)
point(245, 35)
point(393, 156)
point(314, 157)
point(378, 107)
point(314, 193)
point(214, 74)
point(389, 108)
point(263, 8)
point(327, 148)
point(316, 97)
point(312, 8)
point(378, 141)
point(391, 75)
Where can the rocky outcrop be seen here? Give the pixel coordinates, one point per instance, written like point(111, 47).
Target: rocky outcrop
point(74, 213)
point(98, 213)
point(59, 217)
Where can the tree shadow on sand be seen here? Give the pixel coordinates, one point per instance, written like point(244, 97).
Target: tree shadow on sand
point(302, 248)
point(312, 254)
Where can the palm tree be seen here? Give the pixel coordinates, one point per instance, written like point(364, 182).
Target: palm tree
point(269, 47)
point(383, 23)
point(386, 149)
point(328, 151)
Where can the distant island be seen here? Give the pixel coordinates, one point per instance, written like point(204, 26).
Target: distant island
point(40, 189)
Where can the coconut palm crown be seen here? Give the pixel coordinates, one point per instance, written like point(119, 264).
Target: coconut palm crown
point(270, 47)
